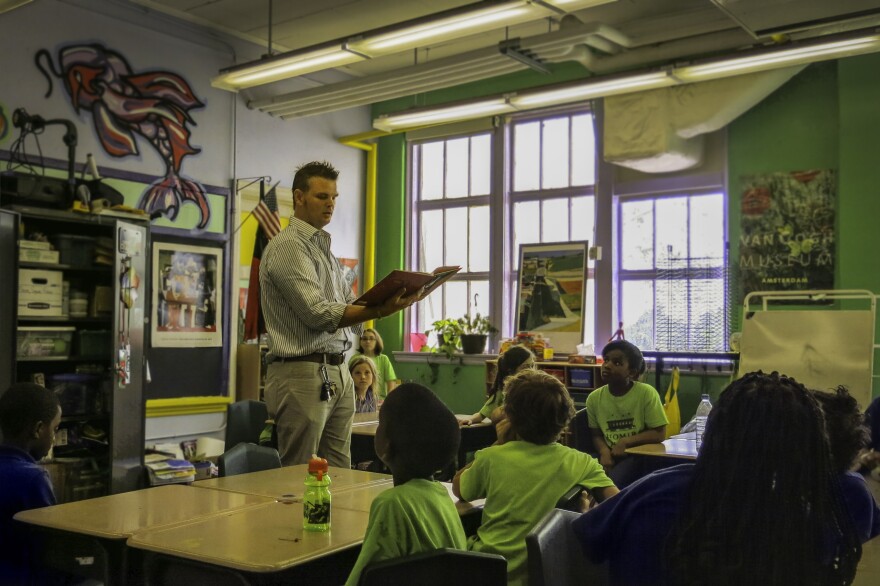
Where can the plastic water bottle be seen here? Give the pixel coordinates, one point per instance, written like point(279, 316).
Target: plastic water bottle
point(703, 410)
point(316, 500)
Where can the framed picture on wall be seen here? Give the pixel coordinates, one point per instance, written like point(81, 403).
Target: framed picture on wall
point(187, 296)
point(551, 292)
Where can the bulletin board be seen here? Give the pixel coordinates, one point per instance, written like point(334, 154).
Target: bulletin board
point(821, 346)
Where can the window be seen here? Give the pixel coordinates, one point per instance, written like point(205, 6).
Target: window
point(672, 273)
point(476, 198)
point(451, 207)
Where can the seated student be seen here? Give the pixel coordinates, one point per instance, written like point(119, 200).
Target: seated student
point(761, 505)
point(363, 373)
point(523, 479)
point(29, 416)
point(371, 346)
point(869, 459)
point(624, 413)
point(847, 437)
point(514, 359)
point(417, 435)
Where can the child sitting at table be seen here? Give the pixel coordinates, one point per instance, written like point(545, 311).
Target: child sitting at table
point(624, 413)
point(417, 436)
point(29, 416)
point(847, 437)
point(761, 504)
point(371, 346)
point(523, 479)
point(363, 373)
point(513, 360)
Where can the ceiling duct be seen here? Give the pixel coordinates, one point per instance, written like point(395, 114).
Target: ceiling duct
point(762, 18)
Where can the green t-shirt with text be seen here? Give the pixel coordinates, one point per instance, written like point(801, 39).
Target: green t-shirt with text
point(619, 417)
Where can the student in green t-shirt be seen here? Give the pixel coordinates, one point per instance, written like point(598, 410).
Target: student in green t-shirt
point(417, 514)
point(624, 413)
point(522, 479)
point(513, 360)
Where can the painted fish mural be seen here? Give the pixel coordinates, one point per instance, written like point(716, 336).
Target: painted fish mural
point(152, 104)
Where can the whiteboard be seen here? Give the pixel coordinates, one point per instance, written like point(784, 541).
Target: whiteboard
point(819, 348)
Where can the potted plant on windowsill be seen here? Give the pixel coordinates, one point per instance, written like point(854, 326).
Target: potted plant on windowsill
point(475, 331)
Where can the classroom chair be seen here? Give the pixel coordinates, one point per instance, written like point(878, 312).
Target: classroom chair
point(244, 422)
point(440, 567)
point(247, 457)
point(579, 430)
point(555, 557)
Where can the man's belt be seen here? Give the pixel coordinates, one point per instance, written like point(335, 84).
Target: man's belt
point(319, 357)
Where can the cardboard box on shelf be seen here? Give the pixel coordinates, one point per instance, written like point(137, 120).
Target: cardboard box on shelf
point(39, 292)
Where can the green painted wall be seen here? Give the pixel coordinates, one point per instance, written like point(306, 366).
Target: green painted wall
point(462, 388)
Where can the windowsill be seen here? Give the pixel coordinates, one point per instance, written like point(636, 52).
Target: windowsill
point(440, 358)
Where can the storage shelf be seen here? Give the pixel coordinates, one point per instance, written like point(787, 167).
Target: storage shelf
point(63, 358)
point(64, 319)
point(69, 268)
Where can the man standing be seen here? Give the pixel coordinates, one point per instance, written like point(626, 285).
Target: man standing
point(306, 302)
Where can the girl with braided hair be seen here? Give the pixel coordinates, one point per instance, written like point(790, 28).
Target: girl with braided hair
point(761, 505)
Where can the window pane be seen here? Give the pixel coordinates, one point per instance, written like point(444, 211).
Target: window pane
point(583, 150)
point(583, 218)
point(526, 156)
point(457, 167)
point(672, 232)
point(431, 241)
point(637, 313)
point(479, 297)
point(432, 170)
point(526, 229)
point(456, 299)
point(478, 247)
point(432, 310)
point(481, 164)
point(637, 235)
point(554, 220)
point(708, 316)
point(455, 243)
point(672, 315)
point(707, 230)
point(554, 157)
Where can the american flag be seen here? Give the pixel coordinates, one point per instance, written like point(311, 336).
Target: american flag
point(266, 213)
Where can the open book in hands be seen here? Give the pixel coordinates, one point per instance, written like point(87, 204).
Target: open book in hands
point(412, 281)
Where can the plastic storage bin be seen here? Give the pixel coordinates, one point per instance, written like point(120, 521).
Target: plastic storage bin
point(76, 251)
point(94, 343)
point(78, 393)
point(581, 377)
point(42, 343)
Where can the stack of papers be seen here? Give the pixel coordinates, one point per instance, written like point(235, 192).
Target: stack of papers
point(164, 470)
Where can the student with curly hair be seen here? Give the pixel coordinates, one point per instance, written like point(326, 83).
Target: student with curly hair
point(761, 505)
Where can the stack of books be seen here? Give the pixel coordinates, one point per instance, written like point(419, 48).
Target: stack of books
point(165, 470)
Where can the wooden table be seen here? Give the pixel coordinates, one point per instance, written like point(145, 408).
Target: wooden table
point(288, 482)
point(868, 571)
point(87, 538)
point(266, 539)
point(675, 447)
point(473, 437)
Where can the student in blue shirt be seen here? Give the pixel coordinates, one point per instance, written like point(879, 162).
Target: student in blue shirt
point(29, 417)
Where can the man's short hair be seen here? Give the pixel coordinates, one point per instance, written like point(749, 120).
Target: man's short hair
point(305, 172)
point(538, 406)
point(423, 432)
point(23, 405)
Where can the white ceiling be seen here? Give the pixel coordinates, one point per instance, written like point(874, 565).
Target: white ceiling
point(654, 30)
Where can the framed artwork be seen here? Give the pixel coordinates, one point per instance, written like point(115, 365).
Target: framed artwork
point(187, 296)
point(551, 293)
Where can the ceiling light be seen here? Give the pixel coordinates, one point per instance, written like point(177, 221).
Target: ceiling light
point(448, 113)
point(284, 66)
point(457, 24)
point(594, 88)
point(783, 57)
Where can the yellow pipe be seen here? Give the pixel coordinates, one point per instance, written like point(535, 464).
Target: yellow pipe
point(372, 149)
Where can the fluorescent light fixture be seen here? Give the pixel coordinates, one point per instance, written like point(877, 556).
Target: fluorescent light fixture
point(594, 88)
point(782, 57)
point(448, 113)
point(284, 66)
point(457, 25)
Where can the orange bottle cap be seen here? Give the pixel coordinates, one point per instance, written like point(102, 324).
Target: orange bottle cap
point(318, 466)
